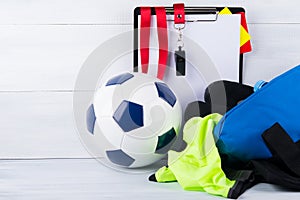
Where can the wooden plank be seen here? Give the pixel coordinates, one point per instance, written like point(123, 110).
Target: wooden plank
point(38, 125)
point(275, 50)
point(88, 179)
point(48, 55)
point(52, 55)
point(82, 12)
point(82, 179)
point(120, 12)
point(270, 11)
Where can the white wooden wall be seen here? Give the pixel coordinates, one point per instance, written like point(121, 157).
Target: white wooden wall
point(43, 44)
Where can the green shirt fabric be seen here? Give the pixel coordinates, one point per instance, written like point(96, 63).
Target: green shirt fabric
point(198, 166)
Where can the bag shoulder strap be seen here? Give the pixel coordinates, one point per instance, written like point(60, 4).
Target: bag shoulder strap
point(281, 145)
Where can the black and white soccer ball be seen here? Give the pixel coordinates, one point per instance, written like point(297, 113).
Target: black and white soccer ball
point(138, 115)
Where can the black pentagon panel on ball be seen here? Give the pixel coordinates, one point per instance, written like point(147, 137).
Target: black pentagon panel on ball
point(118, 80)
point(129, 116)
point(90, 119)
point(165, 141)
point(165, 93)
point(119, 157)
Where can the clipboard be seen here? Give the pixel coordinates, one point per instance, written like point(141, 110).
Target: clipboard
point(212, 11)
point(210, 17)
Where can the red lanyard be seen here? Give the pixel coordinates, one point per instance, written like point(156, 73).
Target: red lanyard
point(145, 37)
point(162, 39)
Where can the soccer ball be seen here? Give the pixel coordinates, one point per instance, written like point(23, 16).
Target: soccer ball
point(138, 115)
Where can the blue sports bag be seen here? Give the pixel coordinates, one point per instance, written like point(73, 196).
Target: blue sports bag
point(239, 133)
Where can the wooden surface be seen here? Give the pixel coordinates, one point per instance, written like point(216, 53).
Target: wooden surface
point(88, 179)
point(43, 44)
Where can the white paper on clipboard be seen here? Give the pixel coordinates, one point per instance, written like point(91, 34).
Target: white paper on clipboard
point(220, 40)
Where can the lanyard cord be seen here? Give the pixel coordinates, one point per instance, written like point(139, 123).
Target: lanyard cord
point(162, 39)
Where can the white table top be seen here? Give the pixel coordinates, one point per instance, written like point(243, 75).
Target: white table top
point(89, 179)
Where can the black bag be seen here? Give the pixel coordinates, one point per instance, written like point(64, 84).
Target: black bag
point(282, 169)
point(220, 97)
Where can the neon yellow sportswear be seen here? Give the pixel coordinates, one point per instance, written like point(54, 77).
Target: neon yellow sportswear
point(198, 166)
